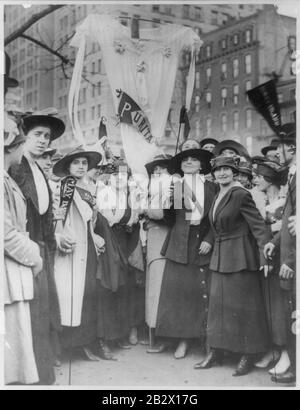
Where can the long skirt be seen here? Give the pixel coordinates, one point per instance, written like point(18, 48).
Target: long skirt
point(183, 305)
point(112, 313)
point(153, 290)
point(128, 242)
point(275, 308)
point(20, 365)
point(237, 319)
point(86, 333)
point(41, 328)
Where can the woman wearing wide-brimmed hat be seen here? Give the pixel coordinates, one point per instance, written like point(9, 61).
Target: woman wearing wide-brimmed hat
point(40, 130)
point(230, 148)
point(183, 302)
point(208, 144)
point(22, 261)
point(121, 291)
point(157, 229)
point(75, 267)
point(236, 317)
point(268, 178)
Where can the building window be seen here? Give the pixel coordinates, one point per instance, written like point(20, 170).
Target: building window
point(249, 118)
point(208, 51)
point(83, 116)
point(224, 71)
point(99, 110)
point(198, 13)
point(224, 43)
point(197, 103)
point(29, 82)
point(263, 128)
point(280, 98)
point(236, 94)
point(235, 66)
point(99, 66)
point(248, 36)
point(214, 17)
point(224, 97)
point(22, 55)
point(224, 122)
point(93, 111)
point(99, 88)
point(124, 19)
point(208, 75)
point(248, 87)
point(197, 80)
point(197, 128)
point(155, 9)
point(248, 64)
point(186, 12)
point(168, 9)
point(236, 121)
point(208, 126)
point(236, 39)
point(208, 99)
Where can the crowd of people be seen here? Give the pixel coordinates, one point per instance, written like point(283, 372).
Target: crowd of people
point(200, 250)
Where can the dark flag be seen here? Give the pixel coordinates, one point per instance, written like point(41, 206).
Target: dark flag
point(264, 99)
point(67, 190)
point(130, 113)
point(184, 119)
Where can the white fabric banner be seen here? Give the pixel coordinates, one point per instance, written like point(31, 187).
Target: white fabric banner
point(145, 69)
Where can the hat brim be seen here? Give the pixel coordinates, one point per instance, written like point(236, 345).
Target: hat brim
point(267, 149)
point(56, 125)
point(233, 145)
point(203, 156)
point(60, 169)
point(161, 162)
point(246, 172)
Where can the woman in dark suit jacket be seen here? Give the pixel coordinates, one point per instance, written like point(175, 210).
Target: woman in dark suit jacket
point(236, 317)
point(183, 305)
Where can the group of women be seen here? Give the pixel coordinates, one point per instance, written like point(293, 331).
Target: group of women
point(189, 264)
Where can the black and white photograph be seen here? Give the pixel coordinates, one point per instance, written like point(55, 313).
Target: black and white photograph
point(149, 195)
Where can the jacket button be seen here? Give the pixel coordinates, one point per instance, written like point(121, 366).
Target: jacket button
point(204, 296)
point(201, 270)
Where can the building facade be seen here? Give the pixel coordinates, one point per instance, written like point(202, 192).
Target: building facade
point(234, 59)
point(44, 83)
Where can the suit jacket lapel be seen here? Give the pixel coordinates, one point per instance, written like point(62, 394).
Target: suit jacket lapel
point(29, 184)
point(224, 201)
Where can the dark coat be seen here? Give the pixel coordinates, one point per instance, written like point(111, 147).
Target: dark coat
point(176, 246)
point(45, 315)
point(284, 239)
point(239, 233)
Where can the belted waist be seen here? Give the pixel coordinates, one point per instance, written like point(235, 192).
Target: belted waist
point(225, 236)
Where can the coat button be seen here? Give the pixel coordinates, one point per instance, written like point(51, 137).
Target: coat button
point(201, 270)
point(204, 296)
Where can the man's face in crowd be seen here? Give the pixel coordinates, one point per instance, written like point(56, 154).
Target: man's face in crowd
point(272, 155)
point(209, 147)
point(38, 140)
point(286, 153)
